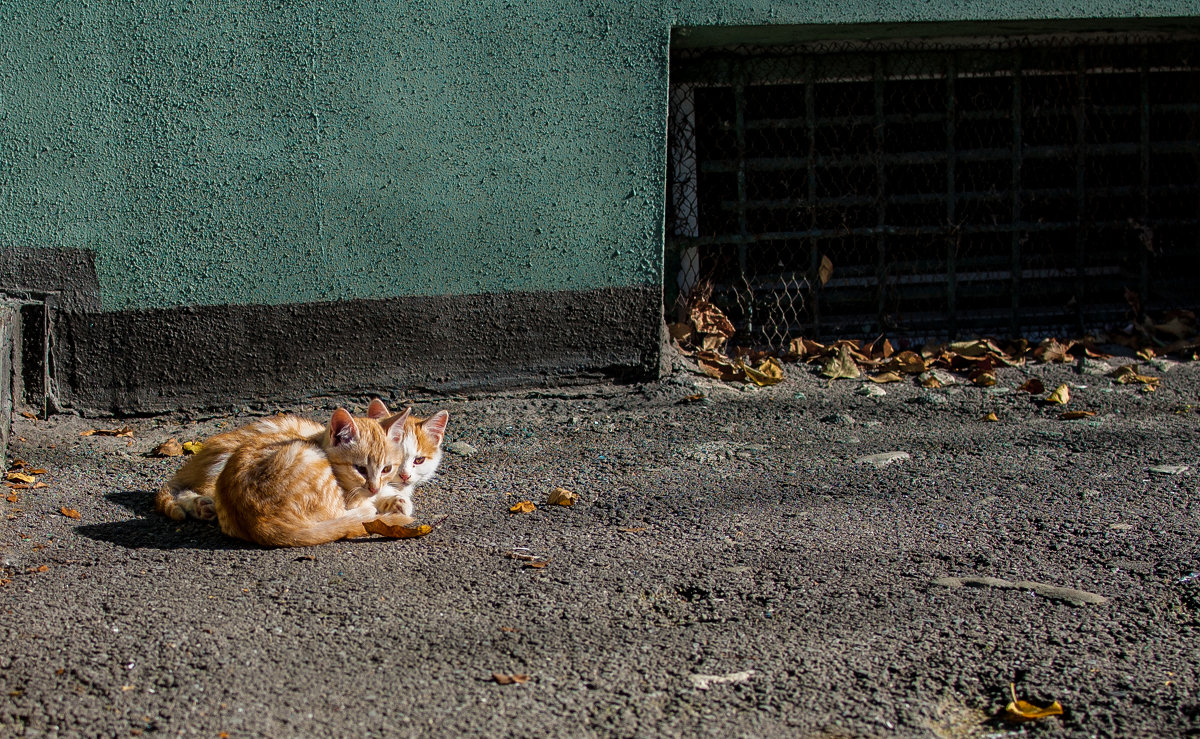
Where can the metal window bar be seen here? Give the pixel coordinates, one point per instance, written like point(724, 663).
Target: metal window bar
point(999, 186)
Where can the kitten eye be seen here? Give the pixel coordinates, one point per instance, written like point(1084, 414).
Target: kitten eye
point(419, 460)
point(361, 470)
point(387, 469)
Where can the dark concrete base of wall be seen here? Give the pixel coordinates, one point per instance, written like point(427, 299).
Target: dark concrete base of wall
point(8, 343)
point(153, 361)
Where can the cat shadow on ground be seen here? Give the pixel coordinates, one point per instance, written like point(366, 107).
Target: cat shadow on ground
point(151, 530)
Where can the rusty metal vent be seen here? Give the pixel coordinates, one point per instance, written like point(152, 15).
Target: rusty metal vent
point(1007, 186)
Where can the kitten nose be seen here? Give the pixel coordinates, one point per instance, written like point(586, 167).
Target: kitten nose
point(403, 476)
point(373, 488)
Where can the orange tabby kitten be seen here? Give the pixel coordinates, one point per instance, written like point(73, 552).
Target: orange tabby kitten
point(189, 492)
point(304, 491)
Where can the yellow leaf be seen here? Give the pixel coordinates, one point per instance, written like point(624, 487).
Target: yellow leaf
point(991, 417)
point(841, 365)
point(525, 506)
point(767, 373)
point(561, 496)
point(192, 447)
point(69, 512)
point(883, 377)
point(984, 379)
point(1060, 396)
point(1018, 710)
point(396, 532)
point(906, 362)
point(169, 448)
point(20, 477)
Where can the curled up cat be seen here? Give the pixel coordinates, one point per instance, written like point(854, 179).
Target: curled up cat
point(288, 481)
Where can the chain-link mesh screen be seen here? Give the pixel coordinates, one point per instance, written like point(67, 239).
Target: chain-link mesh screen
point(1012, 186)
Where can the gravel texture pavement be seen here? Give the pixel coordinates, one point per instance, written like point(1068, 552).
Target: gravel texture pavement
point(759, 562)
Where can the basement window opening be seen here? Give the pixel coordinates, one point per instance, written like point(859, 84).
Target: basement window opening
point(927, 189)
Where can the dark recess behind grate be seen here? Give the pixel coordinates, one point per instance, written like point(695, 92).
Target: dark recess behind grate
point(1012, 186)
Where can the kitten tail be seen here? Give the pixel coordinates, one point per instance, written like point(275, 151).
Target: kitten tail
point(165, 504)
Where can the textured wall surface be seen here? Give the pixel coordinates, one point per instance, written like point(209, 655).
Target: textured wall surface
point(227, 200)
point(219, 152)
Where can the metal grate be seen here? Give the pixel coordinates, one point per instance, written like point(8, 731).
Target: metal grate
point(1009, 186)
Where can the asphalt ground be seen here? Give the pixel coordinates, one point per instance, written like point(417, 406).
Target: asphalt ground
point(738, 537)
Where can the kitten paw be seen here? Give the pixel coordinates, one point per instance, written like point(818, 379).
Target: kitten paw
point(394, 503)
point(204, 509)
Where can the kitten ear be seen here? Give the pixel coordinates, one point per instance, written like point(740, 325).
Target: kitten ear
point(394, 427)
point(341, 428)
point(435, 425)
point(377, 410)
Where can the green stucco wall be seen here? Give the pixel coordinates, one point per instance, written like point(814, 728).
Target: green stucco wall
point(216, 152)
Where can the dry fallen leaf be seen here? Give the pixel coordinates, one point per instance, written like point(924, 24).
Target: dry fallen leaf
point(42, 568)
point(718, 366)
point(396, 532)
point(123, 431)
point(906, 362)
point(1018, 710)
point(931, 382)
point(983, 379)
point(12, 498)
point(36, 471)
point(1127, 373)
point(976, 348)
point(694, 398)
point(992, 417)
point(192, 447)
point(1033, 386)
point(1072, 415)
point(515, 678)
point(1052, 350)
point(525, 506)
point(30, 416)
point(69, 512)
point(1060, 396)
point(20, 477)
point(826, 269)
point(536, 565)
point(767, 373)
point(169, 448)
point(841, 365)
point(560, 496)
point(883, 377)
